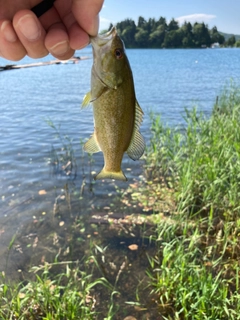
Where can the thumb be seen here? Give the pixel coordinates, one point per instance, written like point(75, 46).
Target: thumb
point(87, 15)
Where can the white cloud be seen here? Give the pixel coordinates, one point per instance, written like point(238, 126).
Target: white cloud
point(196, 17)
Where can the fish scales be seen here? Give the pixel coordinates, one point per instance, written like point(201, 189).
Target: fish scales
point(117, 115)
point(113, 126)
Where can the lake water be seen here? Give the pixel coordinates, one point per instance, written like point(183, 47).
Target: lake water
point(166, 82)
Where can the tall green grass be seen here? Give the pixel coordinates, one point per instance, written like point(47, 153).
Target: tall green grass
point(201, 162)
point(69, 294)
point(195, 272)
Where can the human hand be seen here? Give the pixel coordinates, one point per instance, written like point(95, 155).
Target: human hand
point(60, 31)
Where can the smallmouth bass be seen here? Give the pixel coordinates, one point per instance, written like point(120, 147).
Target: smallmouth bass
point(117, 114)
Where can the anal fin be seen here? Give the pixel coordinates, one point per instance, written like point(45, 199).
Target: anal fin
point(137, 146)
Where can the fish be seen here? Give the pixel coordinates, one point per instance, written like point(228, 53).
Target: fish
point(116, 112)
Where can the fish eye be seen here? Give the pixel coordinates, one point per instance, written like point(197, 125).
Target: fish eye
point(118, 53)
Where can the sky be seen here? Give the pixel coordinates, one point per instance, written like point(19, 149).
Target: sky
point(225, 15)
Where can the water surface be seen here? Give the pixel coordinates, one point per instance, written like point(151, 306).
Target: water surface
point(166, 82)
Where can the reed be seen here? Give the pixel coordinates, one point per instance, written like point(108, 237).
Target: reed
point(201, 161)
point(68, 294)
point(195, 272)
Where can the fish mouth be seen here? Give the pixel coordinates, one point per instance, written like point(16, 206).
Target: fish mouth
point(102, 39)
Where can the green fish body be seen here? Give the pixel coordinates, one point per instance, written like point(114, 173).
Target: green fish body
point(117, 114)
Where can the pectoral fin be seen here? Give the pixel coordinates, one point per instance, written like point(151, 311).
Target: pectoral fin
point(91, 146)
point(86, 100)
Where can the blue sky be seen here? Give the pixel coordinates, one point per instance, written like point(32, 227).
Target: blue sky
point(225, 15)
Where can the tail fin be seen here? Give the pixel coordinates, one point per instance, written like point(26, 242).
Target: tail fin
point(104, 174)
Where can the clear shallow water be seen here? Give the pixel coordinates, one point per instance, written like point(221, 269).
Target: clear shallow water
point(166, 82)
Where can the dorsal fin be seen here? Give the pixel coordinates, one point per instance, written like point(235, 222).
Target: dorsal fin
point(138, 115)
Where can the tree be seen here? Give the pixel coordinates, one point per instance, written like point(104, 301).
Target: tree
point(216, 36)
point(124, 24)
point(173, 39)
point(201, 35)
point(141, 38)
point(156, 38)
point(231, 41)
point(173, 25)
point(128, 35)
point(237, 44)
point(152, 25)
point(187, 27)
point(154, 33)
point(187, 41)
point(141, 22)
point(162, 21)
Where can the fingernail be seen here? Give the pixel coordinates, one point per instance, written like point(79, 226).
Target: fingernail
point(8, 31)
point(29, 27)
point(60, 48)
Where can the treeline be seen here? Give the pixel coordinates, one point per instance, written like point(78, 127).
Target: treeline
point(160, 34)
